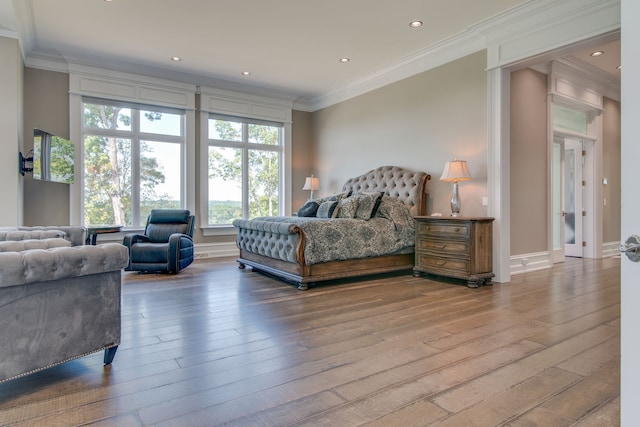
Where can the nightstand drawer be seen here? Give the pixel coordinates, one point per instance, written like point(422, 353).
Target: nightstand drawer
point(457, 247)
point(443, 229)
point(439, 246)
point(442, 264)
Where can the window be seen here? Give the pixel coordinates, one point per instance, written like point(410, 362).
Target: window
point(244, 168)
point(133, 157)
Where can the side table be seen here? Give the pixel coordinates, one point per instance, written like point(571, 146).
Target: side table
point(94, 230)
point(458, 247)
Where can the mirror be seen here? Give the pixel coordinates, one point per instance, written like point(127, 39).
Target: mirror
point(52, 157)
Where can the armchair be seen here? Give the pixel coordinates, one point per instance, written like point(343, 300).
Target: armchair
point(166, 244)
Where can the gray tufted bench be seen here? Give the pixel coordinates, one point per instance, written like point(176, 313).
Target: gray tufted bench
point(59, 302)
point(74, 234)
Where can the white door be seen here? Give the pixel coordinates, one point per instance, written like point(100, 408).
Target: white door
point(630, 280)
point(573, 197)
point(557, 176)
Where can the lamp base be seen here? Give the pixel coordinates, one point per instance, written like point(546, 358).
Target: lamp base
point(455, 201)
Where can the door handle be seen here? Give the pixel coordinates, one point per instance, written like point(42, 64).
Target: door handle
point(631, 248)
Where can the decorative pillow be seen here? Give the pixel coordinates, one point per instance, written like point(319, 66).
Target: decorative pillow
point(347, 207)
point(393, 209)
point(334, 197)
point(327, 209)
point(368, 204)
point(309, 209)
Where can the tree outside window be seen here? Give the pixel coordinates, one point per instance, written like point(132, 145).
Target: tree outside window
point(132, 162)
point(243, 151)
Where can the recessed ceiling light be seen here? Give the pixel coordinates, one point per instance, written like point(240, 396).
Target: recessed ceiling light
point(246, 73)
point(415, 24)
point(597, 53)
point(344, 60)
point(176, 59)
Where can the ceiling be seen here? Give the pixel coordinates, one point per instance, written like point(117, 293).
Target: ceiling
point(291, 48)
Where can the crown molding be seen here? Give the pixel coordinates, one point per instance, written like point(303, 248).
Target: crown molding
point(520, 33)
point(25, 26)
point(441, 53)
point(527, 31)
point(50, 61)
point(607, 84)
point(546, 26)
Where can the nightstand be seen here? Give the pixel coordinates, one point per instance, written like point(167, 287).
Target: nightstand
point(458, 247)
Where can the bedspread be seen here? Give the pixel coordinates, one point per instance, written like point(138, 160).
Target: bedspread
point(391, 231)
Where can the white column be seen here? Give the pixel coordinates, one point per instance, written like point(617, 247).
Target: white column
point(498, 171)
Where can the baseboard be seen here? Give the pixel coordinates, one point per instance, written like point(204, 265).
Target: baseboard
point(530, 262)
point(216, 250)
point(541, 260)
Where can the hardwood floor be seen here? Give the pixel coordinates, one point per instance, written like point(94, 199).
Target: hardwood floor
point(216, 345)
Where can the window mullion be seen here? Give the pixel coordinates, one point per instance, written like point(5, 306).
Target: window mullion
point(135, 169)
point(245, 171)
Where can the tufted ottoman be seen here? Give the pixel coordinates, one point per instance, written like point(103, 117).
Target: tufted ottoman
point(57, 303)
point(74, 234)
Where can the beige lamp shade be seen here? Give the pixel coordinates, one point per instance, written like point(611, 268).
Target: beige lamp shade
point(311, 183)
point(455, 170)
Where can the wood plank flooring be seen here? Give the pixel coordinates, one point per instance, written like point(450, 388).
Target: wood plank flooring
point(216, 345)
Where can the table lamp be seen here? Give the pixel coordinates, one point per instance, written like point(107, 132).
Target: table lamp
point(311, 183)
point(455, 171)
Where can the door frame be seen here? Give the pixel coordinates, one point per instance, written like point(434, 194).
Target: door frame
point(591, 222)
point(592, 227)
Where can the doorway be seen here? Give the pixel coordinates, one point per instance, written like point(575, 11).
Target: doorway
point(568, 188)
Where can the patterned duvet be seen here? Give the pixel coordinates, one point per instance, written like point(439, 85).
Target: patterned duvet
point(390, 231)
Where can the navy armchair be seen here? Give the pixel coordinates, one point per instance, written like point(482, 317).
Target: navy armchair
point(167, 243)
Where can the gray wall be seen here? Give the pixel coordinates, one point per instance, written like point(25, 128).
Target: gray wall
point(528, 162)
point(418, 123)
point(46, 107)
point(11, 82)
point(302, 157)
point(529, 165)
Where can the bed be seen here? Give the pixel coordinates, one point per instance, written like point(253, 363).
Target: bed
point(370, 230)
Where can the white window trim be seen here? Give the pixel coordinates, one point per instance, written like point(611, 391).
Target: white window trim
point(219, 101)
point(118, 86)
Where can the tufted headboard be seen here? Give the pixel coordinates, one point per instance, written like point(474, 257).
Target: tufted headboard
point(394, 181)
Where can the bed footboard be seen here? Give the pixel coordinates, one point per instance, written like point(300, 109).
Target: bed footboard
point(277, 240)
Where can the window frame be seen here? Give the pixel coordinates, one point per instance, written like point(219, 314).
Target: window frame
point(136, 137)
point(245, 146)
point(234, 104)
point(120, 87)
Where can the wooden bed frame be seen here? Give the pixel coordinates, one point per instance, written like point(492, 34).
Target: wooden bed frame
point(407, 185)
